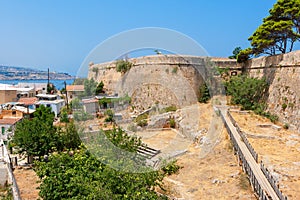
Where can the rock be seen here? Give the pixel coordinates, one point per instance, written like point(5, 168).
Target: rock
point(234, 175)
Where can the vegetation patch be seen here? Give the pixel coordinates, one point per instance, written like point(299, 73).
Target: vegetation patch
point(123, 66)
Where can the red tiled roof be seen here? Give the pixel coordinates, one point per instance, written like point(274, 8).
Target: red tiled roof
point(75, 88)
point(9, 121)
point(28, 100)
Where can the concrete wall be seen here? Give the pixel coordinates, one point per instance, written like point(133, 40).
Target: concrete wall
point(283, 74)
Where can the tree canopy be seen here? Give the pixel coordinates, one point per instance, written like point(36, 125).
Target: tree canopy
point(81, 175)
point(235, 53)
point(278, 32)
point(100, 88)
point(90, 87)
point(36, 137)
point(39, 137)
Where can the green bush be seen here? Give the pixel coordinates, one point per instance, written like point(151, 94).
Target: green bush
point(123, 66)
point(286, 126)
point(109, 115)
point(284, 106)
point(172, 123)
point(141, 120)
point(174, 70)
point(171, 168)
point(82, 116)
point(170, 108)
point(246, 91)
point(203, 94)
point(64, 116)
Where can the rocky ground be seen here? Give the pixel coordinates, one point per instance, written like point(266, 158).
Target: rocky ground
point(278, 149)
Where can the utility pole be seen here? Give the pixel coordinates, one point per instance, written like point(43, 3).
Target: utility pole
point(66, 94)
point(48, 84)
point(48, 76)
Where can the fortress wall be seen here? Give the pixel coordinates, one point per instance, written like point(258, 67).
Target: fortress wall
point(167, 79)
point(283, 74)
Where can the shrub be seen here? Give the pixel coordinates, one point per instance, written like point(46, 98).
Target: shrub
point(286, 126)
point(291, 105)
point(64, 116)
point(123, 66)
point(174, 70)
point(110, 115)
point(170, 109)
point(142, 123)
point(204, 94)
point(172, 123)
point(82, 116)
point(171, 168)
point(284, 106)
point(141, 120)
point(246, 91)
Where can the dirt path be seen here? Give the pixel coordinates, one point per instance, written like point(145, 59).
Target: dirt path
point(28, 183)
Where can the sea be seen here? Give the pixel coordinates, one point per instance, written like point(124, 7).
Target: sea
point(59, 84)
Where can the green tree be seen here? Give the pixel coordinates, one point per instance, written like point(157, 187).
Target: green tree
point(64, 116)
point(80, 175)
point(235, 53)
point(76, 104)
point(104, 102)
point(36, 137)
point(244, 55)
point(279, 31)
point(68, 137)
point(90, 87)
point(100, 88)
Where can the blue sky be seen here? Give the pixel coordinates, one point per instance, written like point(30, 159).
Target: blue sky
point(60, 33)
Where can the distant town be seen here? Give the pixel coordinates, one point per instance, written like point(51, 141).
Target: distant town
point(22, 73)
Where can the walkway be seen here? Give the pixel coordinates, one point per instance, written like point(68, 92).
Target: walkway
point(257, 172)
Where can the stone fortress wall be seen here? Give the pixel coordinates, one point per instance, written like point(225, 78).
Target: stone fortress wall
point(175, 80)
point(164, 79)
point(283, 74)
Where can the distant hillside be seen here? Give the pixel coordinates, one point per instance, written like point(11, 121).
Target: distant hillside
point(15, 73)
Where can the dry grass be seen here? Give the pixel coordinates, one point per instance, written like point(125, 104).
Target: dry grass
point(279, 150)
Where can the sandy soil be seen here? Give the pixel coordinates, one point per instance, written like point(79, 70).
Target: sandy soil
point(28, 183)
point(278, 149)
point(209, 171)
point(216, 176)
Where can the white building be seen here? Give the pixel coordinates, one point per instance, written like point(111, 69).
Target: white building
point(51, 100)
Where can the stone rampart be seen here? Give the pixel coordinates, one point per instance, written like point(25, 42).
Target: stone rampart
point(164, 79)
point(283, 74)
